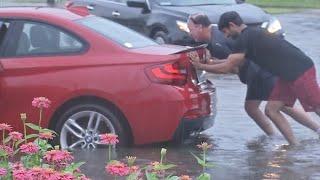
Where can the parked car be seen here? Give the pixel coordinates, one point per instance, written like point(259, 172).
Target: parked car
point(166, 20)
point(101, 77)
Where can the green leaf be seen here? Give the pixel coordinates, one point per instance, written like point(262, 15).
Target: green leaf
point(33, 126)
point(165, 166)
point(7, 139)
point(72, 167)
point(151, 176)
point(48, 130)
point(4, 164)
point(204, 176)
point(27, 137)
point(30, 161)
point(133, 176)
point(209, 165)
point(200, 161)
point(3, 153)
point(172, 178)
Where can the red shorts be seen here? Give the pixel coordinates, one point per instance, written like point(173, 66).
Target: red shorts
point(305, 88)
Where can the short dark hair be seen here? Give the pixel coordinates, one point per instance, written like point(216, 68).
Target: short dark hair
point(200, 18)
point(228, 17)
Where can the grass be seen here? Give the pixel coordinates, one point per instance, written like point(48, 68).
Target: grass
point(277, 10)
point(287, 3)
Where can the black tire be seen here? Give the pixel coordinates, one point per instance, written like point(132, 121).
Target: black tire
point(109, 113)
point(161, 35)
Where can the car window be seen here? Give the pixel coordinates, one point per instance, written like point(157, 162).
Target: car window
point(116, 32)
point(194, 2)
point(4, 26)
point(38, 38)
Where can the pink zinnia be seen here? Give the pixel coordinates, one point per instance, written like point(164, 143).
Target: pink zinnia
point(46, 135)
point(8, 150)
point(29, 148)
point(21, 175)
point(65, 176)
point(17, 166)
point(36, 172)
point(134, 169)
point(60, 158)
point(15, 136)
point(41, 102)
point(117, 168)
point(49, 174)
point(3, 172)
point(109, 139)
point(5, 126)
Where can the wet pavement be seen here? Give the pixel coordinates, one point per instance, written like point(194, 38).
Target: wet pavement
point(241, 151)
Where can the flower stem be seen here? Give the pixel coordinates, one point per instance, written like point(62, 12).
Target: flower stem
point(3, 137)
point(24, 131)
point(39, 153)
point(109, 153)
point(40, 119)
point(204, 159)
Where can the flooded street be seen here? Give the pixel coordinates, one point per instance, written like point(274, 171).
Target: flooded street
point(241, 151)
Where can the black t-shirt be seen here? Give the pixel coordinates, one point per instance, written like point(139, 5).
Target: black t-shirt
point(221, 47)
point(272, 53)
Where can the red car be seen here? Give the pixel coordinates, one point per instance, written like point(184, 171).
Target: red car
point(100, 76)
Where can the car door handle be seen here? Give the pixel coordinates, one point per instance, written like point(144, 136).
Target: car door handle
point(115, 13)
point(90, 7)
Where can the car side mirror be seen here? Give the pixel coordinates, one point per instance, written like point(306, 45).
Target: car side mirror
point(137, 4)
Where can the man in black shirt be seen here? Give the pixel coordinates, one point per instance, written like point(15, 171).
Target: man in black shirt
point(259, 82)
point(295, 70)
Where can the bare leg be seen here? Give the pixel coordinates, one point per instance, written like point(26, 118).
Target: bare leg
point(302, 117)
point(273, 112)
point(252, 108)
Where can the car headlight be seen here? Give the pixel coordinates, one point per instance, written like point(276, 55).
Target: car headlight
point(183, 26)
point(272, 26)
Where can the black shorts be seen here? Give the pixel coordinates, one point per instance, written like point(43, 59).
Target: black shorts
point(260, 88)
point(259, 83)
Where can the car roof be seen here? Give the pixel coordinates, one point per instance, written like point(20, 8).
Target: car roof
point(38, 13)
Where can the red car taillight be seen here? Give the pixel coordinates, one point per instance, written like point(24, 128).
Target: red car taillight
point(174, 73)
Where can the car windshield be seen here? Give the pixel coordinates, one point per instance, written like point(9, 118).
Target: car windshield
point(116, 32)
point(194, 2)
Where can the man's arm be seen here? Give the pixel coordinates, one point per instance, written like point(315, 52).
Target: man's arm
point(227, 66)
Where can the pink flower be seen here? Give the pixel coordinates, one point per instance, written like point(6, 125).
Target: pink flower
point(36, 172)
point(185, 177)
point(46, 135)
point(60, 158)
point(65, 176)
point(17, 166)
point(5, 126)
point(49, 174)
point(117, 168)
point(41, 102)
point(29, 148)
point(15, 136)
point(8, 150)
point(3, 172)
point(109, 139)
point(21, 175)
point(204, 146)
point(134, 169)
